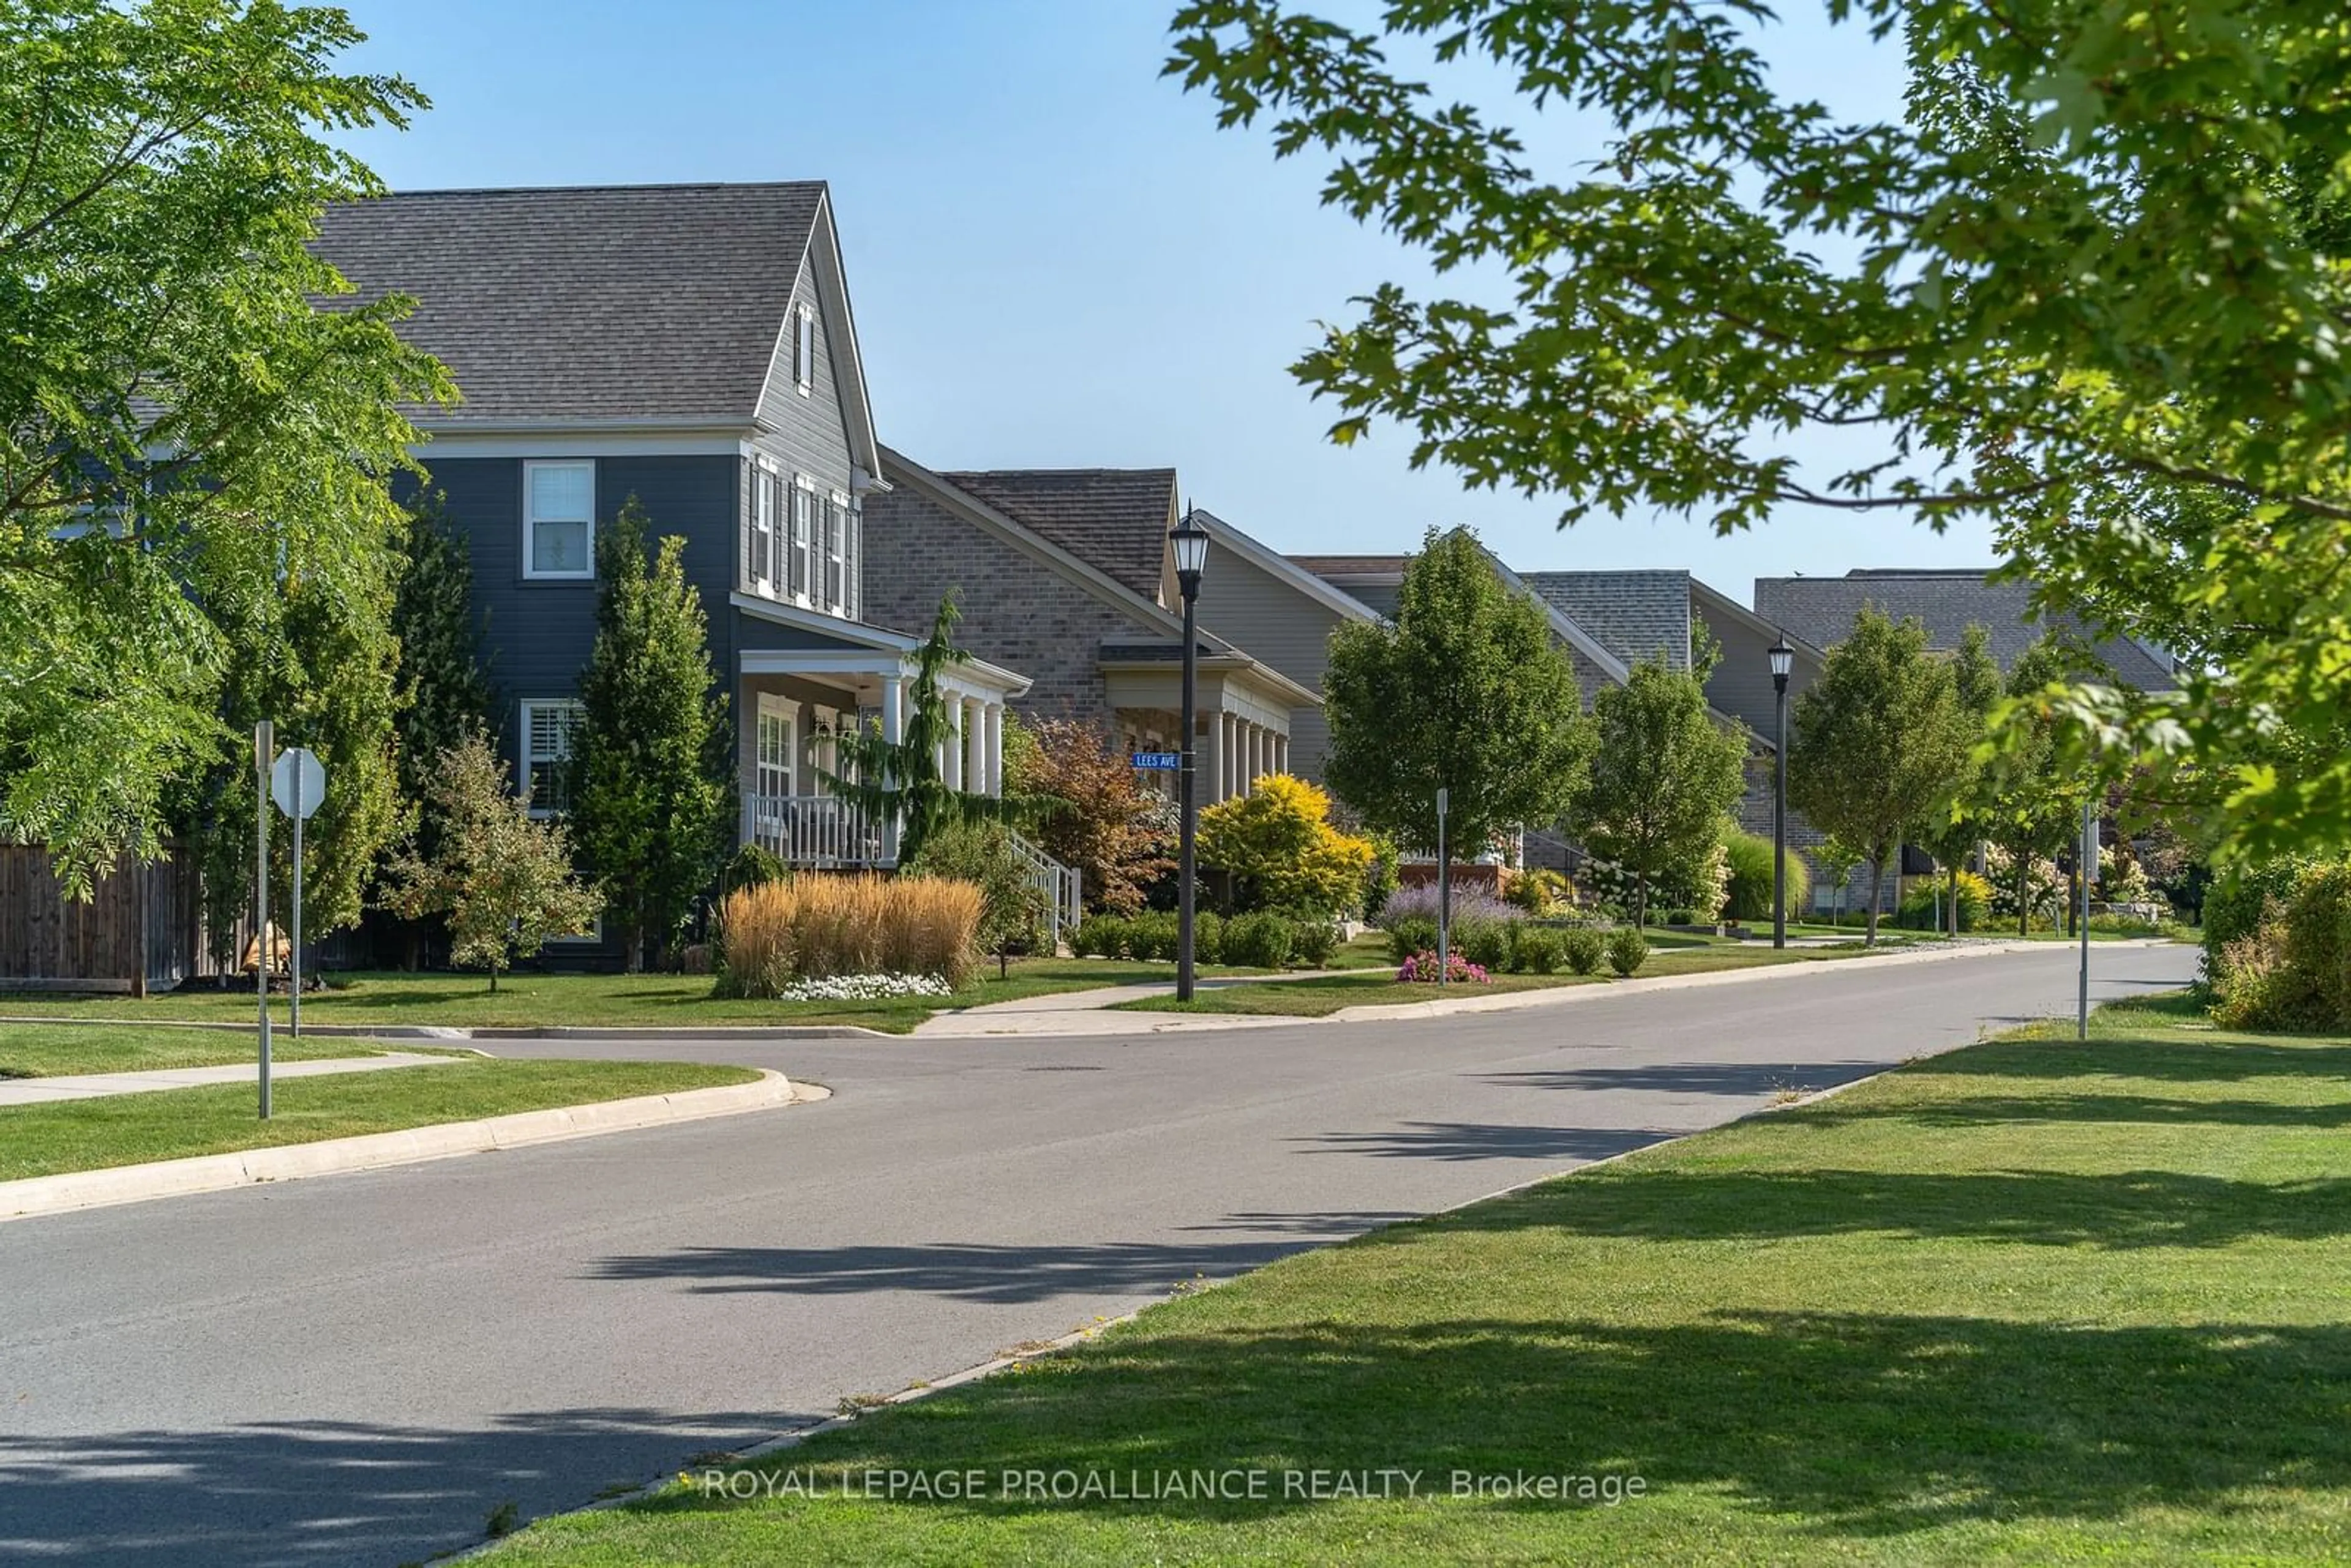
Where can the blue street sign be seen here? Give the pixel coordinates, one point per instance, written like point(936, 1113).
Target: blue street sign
point(1164, 761)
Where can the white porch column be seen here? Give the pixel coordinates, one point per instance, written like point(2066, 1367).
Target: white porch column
point(1255, 756)
point(974, 745)
point(1281, 752)
point(991, 745)
point(1212, 768)
point(952, 745)
point(894, 730)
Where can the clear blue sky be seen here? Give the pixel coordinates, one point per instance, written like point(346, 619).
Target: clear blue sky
point(1056, 259)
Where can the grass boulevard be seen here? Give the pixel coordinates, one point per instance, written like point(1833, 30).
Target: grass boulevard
point(2030, 1300)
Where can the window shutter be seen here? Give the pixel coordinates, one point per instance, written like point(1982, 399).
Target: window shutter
point(749, 521)
point(854, 591)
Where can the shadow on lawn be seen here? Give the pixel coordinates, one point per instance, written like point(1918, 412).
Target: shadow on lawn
point(329, 1492)
point(1858, 1424)
point(2122, 1211)
point(2219, 1061)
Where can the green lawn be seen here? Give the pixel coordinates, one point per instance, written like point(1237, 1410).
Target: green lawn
point(48, 1050)
point(1670, 952)
point(2027, 1302)
point(682, 1001)
point(172, 1123)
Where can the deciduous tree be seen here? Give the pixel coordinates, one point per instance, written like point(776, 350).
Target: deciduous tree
point(1094, 814)
point(1278, 844)
point(1663, 772)
point(1877, 742)
point(444, 695)
point(501, 876)
point(184, 424)
point(1464, 691)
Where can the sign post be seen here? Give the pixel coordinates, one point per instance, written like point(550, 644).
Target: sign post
point(2087, 861)
point(265, 748)
point(298, 782)
point(1443, 892)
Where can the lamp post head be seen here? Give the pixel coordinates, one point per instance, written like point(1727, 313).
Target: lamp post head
point(1190, 538)
point(1783, 659)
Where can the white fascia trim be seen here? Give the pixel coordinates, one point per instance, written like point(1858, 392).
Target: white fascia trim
point(816, 620)
point(980, 515)
point(965, 678)
point(1705, 598)
point(1287, 571)
point(588, 439)
point(1615, 668)
point(979, 674)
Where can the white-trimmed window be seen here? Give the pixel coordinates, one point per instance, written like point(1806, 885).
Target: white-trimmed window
point(766, 500)
point(548, 726)
point(777, 773)
point(558, 519)
point(804, 348)
point(836, 543)
point(804, 554)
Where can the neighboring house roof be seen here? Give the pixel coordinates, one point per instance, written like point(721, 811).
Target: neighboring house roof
point(1115, 519)
point(1635, 614)
point(1331, 568)
point(1285, 570)
point(1821, 610)
point(634, 302)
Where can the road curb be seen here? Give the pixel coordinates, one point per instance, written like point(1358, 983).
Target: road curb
point(70, 1190)
point(1559, 996)
point(460, 1034)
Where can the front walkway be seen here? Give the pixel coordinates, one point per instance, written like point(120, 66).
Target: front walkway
point(90, 1085)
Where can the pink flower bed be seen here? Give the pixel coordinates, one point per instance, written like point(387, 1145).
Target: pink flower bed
point(1422, 966)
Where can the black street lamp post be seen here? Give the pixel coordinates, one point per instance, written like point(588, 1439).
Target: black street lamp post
point(1783, 659)
point(1191, 542)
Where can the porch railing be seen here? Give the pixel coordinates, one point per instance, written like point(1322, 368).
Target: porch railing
point(1062, 886)
point(815, 830)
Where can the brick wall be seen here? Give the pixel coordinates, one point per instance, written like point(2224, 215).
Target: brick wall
point(1017, 612)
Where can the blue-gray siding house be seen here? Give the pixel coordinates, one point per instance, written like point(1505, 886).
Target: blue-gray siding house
point(691, 346)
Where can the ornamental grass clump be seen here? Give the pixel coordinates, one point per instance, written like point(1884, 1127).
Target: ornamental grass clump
point(816, 928)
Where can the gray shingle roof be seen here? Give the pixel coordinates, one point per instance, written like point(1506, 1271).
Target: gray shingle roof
point(589, 303)
point(1114, 519)
point(1821, 610)
point(1632, 614)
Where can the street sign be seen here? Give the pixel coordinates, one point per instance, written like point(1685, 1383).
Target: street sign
point(1160, 762)
point(297, 781)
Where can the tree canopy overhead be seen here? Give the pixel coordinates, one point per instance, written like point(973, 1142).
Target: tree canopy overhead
point(2090, 285)
point(182, 427)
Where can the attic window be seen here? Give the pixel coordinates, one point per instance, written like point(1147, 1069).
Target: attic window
point(804, 349)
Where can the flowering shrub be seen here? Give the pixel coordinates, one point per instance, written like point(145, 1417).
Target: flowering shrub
point(1419, 902)
point(1422, 967)
point(863, 988)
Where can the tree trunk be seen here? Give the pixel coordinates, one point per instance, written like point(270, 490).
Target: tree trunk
point(1876, 899)
point(494, 980)
point(2024, 896)
point(1955, 898)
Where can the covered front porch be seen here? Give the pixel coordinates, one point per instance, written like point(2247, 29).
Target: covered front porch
point(1241, 716)
point(795, 703)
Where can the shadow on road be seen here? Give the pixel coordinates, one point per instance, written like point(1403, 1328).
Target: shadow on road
point(1483, 1141)
point(303, 1492)
point(998, 1273)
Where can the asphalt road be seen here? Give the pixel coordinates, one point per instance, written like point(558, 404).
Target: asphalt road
point(358, 1368)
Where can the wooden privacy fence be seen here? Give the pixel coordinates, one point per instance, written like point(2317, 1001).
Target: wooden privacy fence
point(139, 929)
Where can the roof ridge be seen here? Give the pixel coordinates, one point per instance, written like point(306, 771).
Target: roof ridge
point(597, 188)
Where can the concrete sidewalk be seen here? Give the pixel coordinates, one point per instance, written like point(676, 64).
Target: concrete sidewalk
point(91, 1085)
point(1082, 1012)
